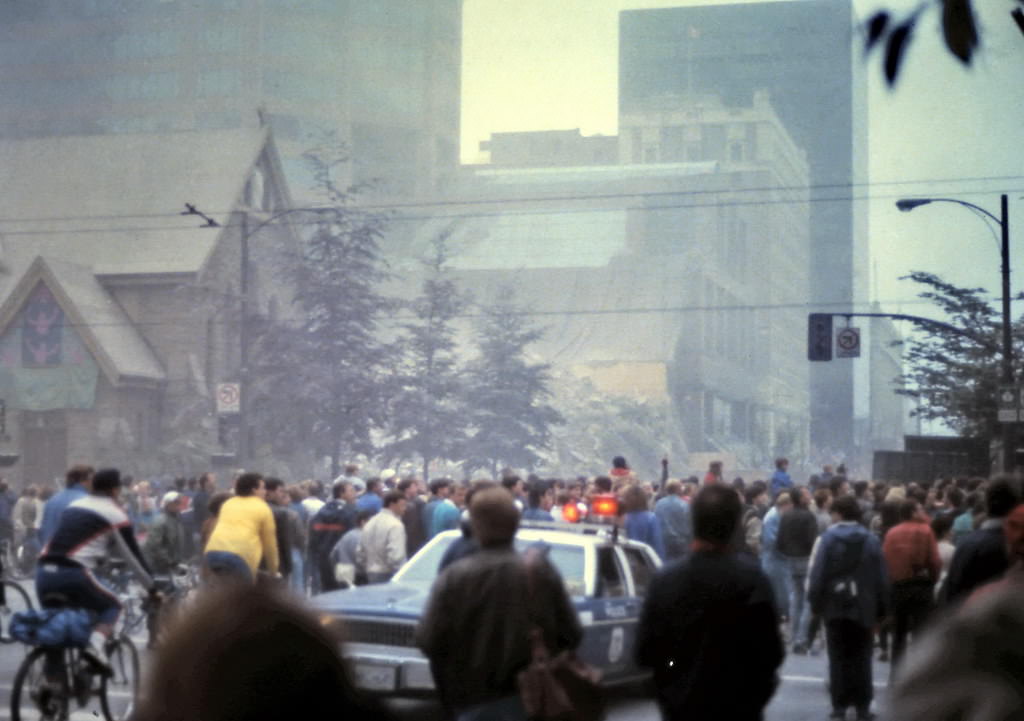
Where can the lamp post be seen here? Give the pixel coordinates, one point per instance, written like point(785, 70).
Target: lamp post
point(908, 204)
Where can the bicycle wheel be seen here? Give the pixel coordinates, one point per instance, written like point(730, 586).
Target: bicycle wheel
point(33, 697)
point(120, 690)
point(24, 560)
point(16, 599)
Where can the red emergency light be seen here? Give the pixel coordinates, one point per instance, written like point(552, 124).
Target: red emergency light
point(605, 505)
point(571, 513)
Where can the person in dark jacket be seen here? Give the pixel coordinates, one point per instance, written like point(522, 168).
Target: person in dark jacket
point(728, 632)
point(798, 529)
point(477, 624)
point(981, 556)
point(277, 499)
point(848, 588)
point(415, 532)
point(325, 530)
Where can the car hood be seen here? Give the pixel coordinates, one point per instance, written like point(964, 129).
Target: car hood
point(384, 599)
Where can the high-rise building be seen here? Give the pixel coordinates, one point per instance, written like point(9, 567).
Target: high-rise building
point(383, 75)
point(801, 53)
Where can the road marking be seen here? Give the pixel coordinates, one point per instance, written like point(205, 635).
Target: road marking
point(819, 679)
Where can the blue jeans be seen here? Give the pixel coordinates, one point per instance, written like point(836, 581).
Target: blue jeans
point(509, 708)
point(298, 578)
point(799, 609)
point(226, 566)
point(777, 570)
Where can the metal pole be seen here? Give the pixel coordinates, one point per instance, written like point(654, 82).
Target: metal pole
point(1008, 428)
point(243, 345)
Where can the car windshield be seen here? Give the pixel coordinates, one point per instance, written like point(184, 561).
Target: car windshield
point(569, 560)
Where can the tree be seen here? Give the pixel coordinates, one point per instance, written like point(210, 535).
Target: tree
point(954, 375)
point(959, 30)
point(427, 417)
point(508, 396)
point(325, 370)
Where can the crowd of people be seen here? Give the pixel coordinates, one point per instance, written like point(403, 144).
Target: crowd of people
point(767, 566)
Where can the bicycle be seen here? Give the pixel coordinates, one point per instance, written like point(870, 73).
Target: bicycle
point(51, 679)
point(15, 599)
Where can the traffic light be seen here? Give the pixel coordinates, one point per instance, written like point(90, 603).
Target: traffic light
point(819, 337)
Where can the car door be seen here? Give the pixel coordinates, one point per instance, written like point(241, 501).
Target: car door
point(640, 567)
point(612, 615)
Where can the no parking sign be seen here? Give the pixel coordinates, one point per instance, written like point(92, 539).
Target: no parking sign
point(848, 343)
point(229, 397)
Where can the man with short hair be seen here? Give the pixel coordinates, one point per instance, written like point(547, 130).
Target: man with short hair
point(85, 533)
point(287, 523)
point(415, 533)
point(381, 549)
point(673, 514)
point(912, 558)
point(446, 514)
point(848, 588)
point(798, 529)
point(325, 529)
point(78, 483)
point(728, 633)
point(780, 480)
point(345, 554)
point(372, 499)
point(440, 490)
point(477, 623)
point(351, 475)
point(981, 556)
point(515, 486)
point(244, 534)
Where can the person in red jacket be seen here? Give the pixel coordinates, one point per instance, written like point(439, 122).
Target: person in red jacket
point(912, 557)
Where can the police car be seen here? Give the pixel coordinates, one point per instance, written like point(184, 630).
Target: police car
point(605, 576)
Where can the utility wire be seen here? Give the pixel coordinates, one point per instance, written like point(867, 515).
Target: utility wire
point(397, 205)
point(467, 216)
point(567, 312)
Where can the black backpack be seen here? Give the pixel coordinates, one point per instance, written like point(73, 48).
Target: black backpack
point(842, 595)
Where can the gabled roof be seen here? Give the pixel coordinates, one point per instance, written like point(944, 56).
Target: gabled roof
point(112, 202)
point(108, 333)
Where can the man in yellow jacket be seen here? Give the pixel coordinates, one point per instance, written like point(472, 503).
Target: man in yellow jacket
point(244, 534)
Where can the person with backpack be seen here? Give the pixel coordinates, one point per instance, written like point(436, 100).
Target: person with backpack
point(848, 588)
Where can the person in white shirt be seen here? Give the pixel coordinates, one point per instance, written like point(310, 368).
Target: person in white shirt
point(381, 549)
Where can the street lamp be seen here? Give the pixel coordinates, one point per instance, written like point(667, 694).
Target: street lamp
point(906, 205)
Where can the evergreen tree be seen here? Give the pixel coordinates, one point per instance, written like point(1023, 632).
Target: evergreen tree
point(427, 416)
point(325, 370)
point(508, 396)
point(954, 373)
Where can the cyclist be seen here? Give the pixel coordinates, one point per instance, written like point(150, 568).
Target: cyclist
point(88, 531)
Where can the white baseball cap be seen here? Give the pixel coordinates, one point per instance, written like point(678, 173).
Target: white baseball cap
point(169, 497)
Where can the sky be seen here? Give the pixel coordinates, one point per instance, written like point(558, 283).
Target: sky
point(538, 64)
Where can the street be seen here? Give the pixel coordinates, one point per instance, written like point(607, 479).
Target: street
point(801, 696)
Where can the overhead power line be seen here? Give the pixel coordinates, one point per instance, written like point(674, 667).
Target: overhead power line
point(498, 200)
point(474, 215)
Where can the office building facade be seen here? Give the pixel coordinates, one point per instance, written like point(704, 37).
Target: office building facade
point(800, 53)
point(384, 76)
